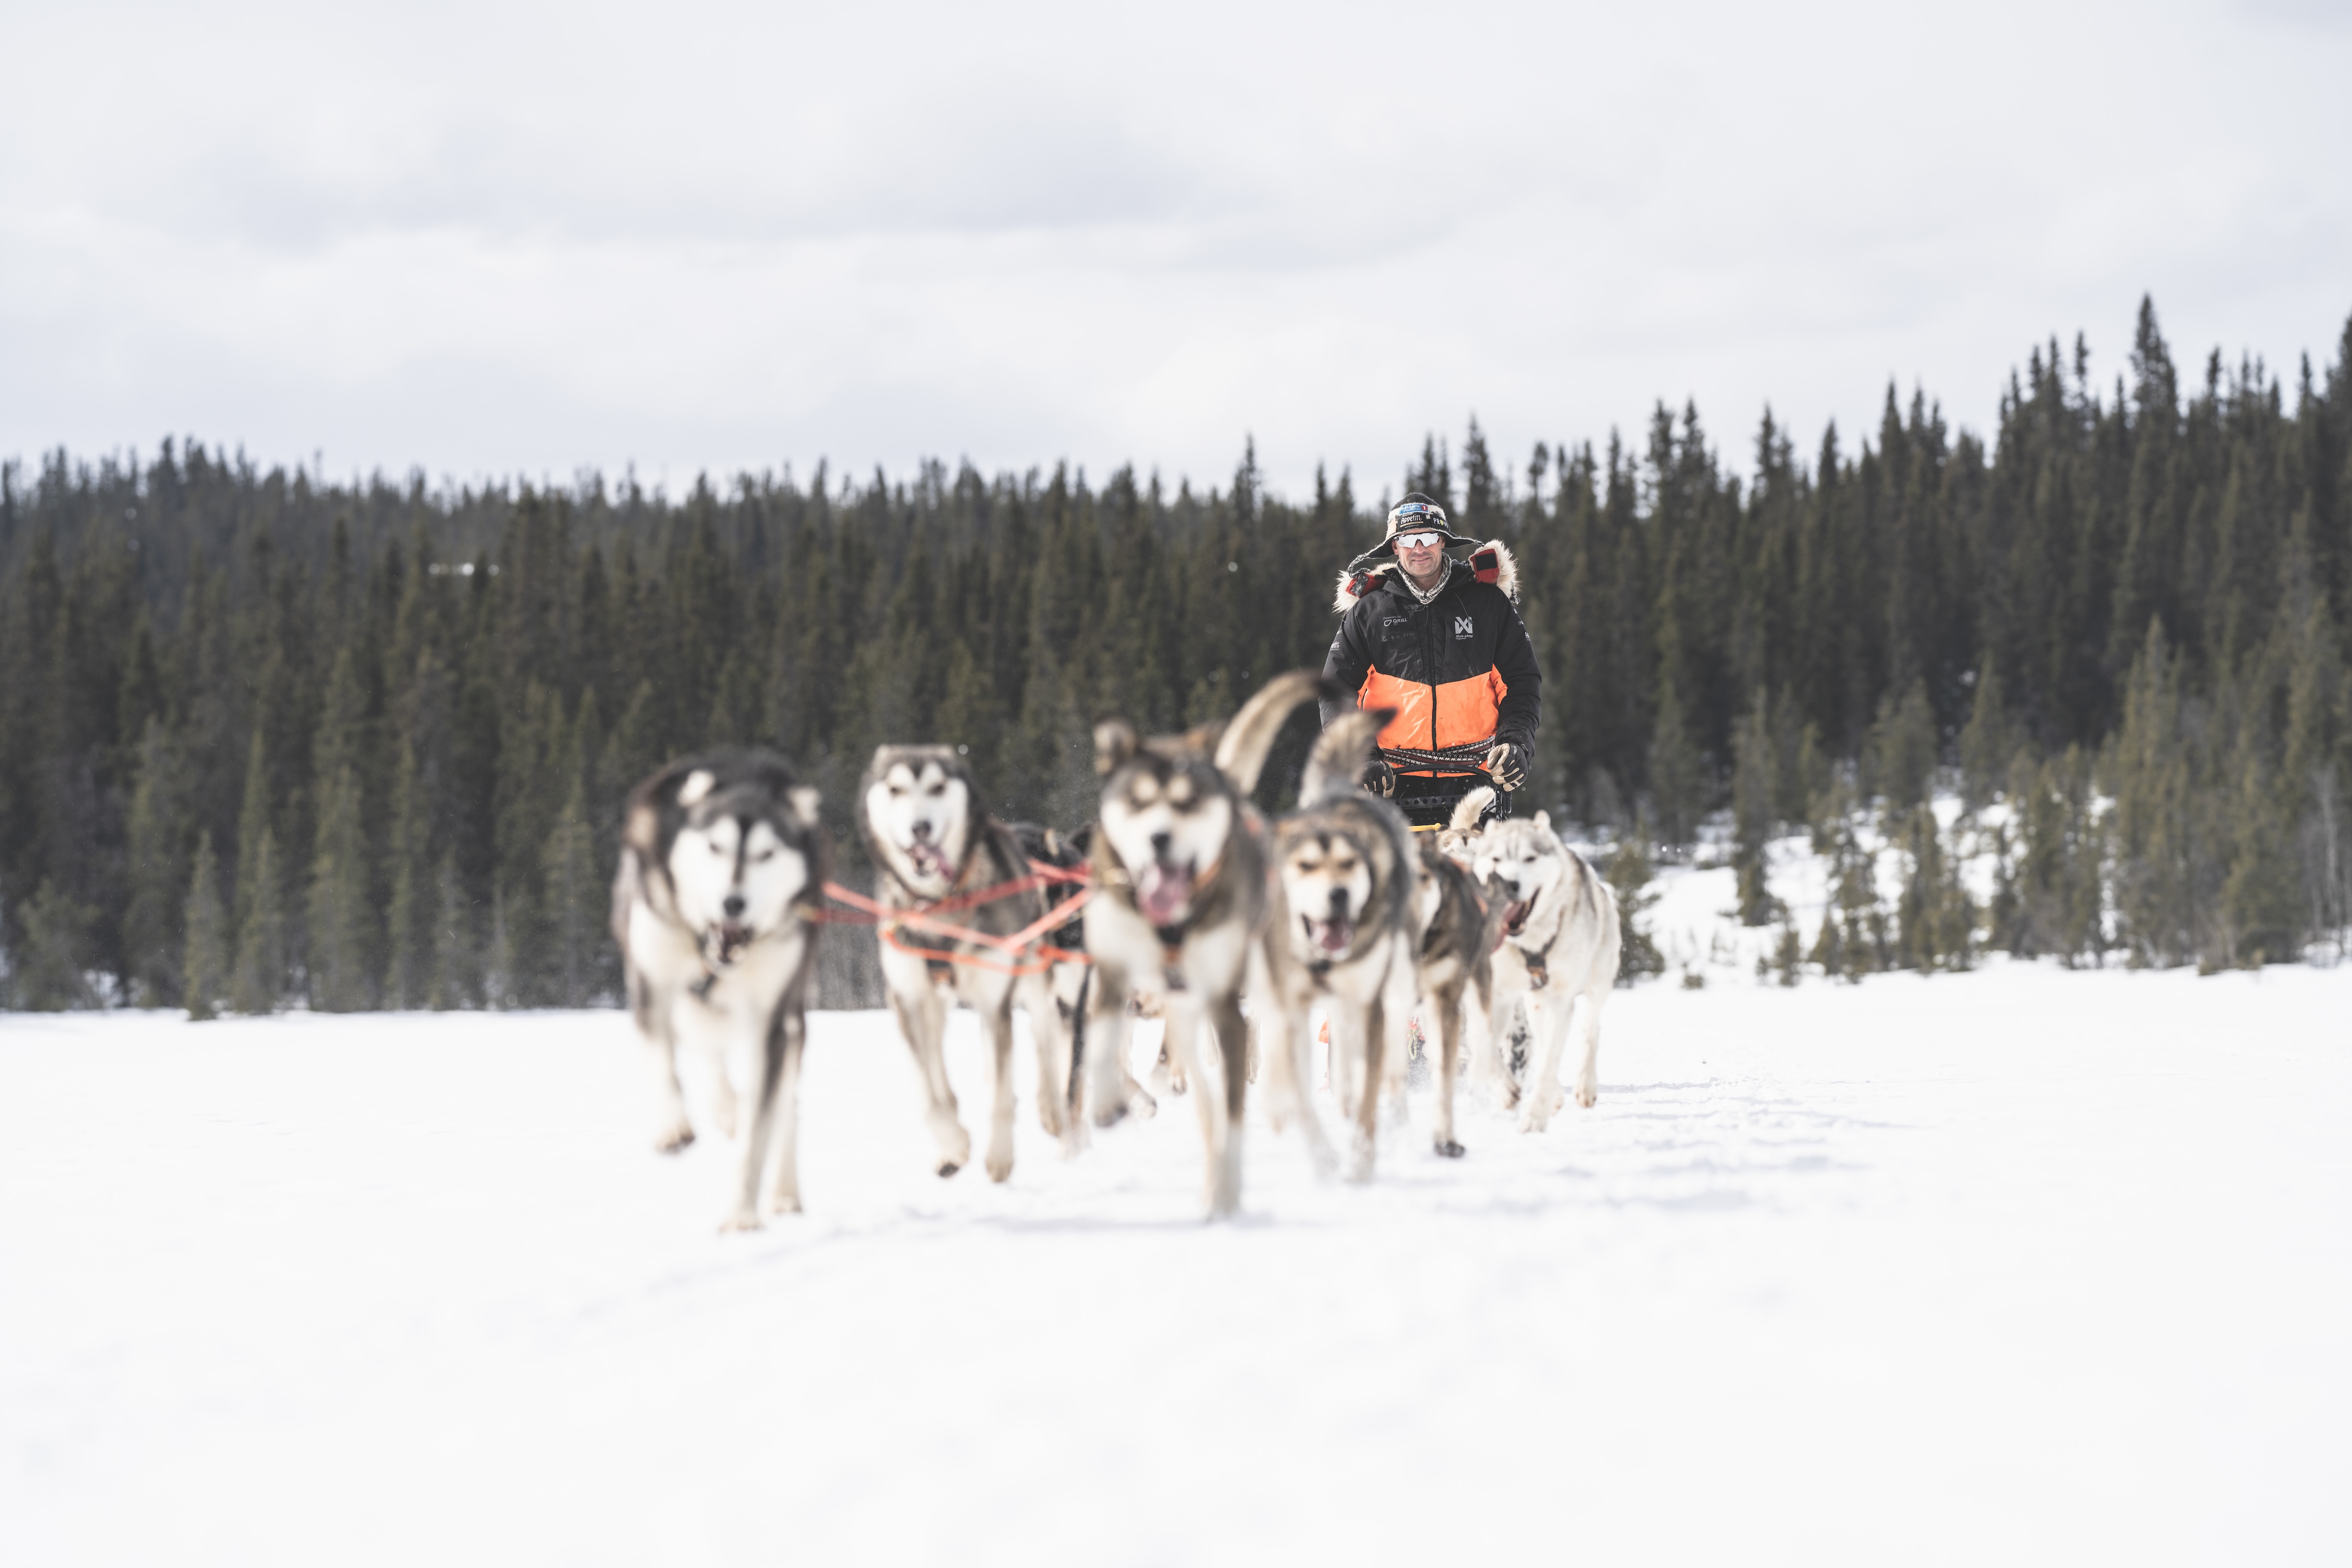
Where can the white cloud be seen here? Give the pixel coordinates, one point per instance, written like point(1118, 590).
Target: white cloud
point(497, 238)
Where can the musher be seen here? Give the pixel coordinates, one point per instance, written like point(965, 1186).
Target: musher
point(1437, 636)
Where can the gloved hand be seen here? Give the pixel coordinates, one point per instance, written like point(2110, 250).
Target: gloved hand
point(1379, 778)
point(1508, 765)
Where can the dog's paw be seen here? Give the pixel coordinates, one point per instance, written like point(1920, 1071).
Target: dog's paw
point(947, 1168)
point(1360, 1159)
point(784, 1203)
point(1110, 1113)
point(741, 1219)
point(673, 1138)
point(1000, 1159)
point(1588, 1092)
point(1140, 1105)
point(1449, 1148)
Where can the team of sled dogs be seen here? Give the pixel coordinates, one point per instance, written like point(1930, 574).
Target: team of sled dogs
point(1233, 930)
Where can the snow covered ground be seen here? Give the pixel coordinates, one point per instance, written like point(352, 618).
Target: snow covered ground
point(2014, 1266)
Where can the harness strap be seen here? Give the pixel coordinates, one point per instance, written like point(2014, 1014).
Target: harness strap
point(1468, 756)
point(926, 921)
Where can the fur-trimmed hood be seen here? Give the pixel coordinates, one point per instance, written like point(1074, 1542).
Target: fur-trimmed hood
point(1489, 562)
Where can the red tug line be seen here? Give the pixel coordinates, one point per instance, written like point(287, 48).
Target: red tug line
point(1029, 953)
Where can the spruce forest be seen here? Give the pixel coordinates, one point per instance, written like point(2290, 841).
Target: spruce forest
point(267, 740)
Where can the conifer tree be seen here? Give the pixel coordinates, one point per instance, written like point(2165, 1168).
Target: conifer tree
point(342, 917)
point(206, 959)
point(1860, 944)
point(344, 933)
point(158, 878)
point(1988, 741)
point(457, 972)
point(414, 887)
point(1934, 917)
point(1630, 874)
point(52, 966)
point(1675, 786)
point(575, 931)
point(259, 983)
point(2147, 772)
point(1751, 809)
point(1903, 748)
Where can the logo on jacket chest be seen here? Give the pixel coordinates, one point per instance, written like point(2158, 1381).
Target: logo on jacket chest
point(1462, 628)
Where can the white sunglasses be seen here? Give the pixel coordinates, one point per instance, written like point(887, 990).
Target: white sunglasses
point(1417, 541)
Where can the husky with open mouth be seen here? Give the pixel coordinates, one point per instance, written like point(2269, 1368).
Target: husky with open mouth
point(935, 846)
point(1179, 864)
point(1345, 876)
point(721, 867)
point(1560, 942)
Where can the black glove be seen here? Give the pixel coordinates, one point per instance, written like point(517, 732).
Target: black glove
point(1380, 779)
point(1507, 764)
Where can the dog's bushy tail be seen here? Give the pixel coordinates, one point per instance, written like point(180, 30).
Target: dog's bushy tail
point(1339, 755)
point(1242, 747)
point(1470, 808)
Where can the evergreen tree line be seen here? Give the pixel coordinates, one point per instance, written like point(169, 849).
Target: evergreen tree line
point(267, 738)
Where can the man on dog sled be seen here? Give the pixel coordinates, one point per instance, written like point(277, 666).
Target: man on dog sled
point(1437, 636)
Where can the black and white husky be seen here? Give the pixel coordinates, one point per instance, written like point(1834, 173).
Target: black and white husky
point(1179, 864)
point(920, 810)
point(721, 864)
point(1344, 916)
point(1560, 943)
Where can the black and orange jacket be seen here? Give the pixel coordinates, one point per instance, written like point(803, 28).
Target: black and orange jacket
point(1458, 669)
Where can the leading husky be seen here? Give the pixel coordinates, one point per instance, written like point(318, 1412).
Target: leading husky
point(918, 809)
point(1179, 864)
point(1560, 942)
point(1343, 918)
point(722, 867)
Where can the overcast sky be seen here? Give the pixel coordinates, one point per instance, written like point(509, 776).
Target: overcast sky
point(497, 239)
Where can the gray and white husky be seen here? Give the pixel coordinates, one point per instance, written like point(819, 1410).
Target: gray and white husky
point(920, 810)
point(1343, 918)
point(1454, 961)
point(721, 864)
point(1180, 865)
point(1560, 942)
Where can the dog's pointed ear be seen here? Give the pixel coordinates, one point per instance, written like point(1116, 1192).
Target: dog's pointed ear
point(697, 784)
point(1114, 743)
point(1204, 738)
point(1543, 820)
point(805, 800)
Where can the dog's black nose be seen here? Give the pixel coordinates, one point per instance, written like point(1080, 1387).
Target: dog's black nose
point(1339, 903)
point(1160, 842)
point(922, 830)
point(733, 905)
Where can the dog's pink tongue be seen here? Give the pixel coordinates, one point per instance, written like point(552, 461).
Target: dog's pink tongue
point(1160, 891)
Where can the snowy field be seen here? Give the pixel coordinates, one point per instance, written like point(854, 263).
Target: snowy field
point(2015, 1265)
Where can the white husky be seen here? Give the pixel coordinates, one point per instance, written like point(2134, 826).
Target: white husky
point(720, 866)
point(934, 844)
point(1560, 942)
